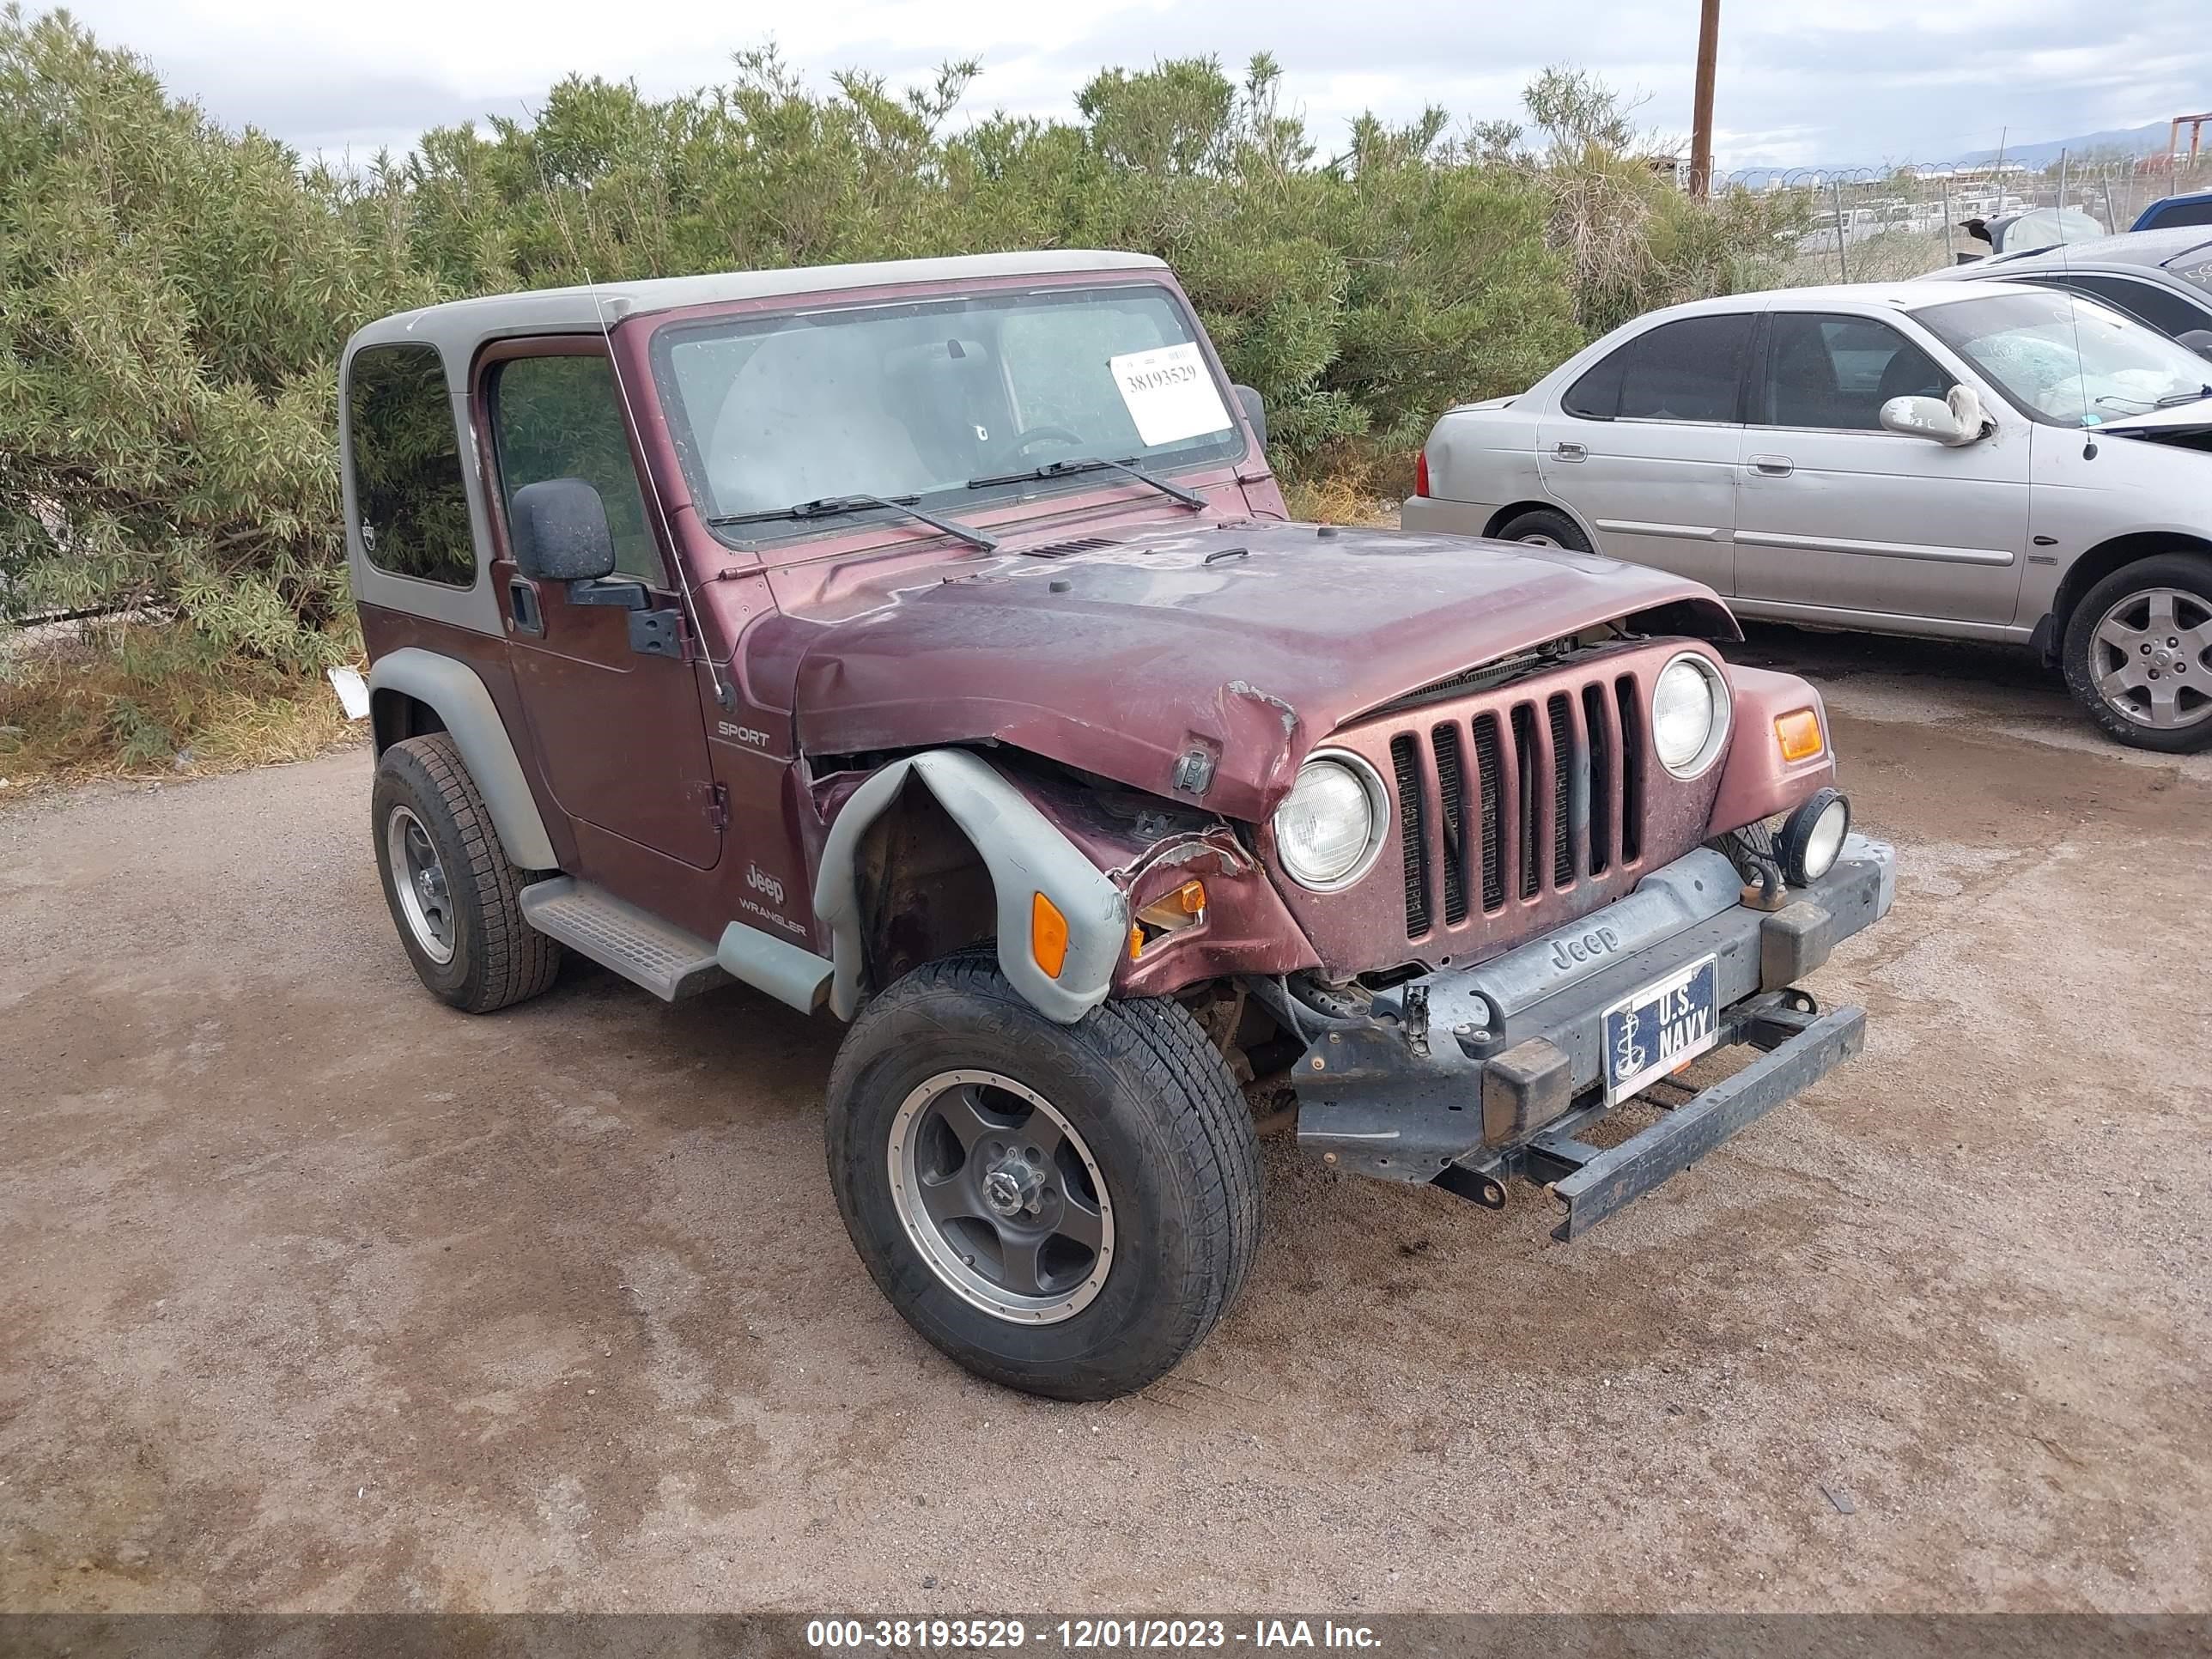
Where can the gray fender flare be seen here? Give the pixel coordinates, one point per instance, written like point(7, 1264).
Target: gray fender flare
point(1026, 855)
point(453, 688)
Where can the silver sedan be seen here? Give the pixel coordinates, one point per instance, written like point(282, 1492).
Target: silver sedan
point(1976, 460)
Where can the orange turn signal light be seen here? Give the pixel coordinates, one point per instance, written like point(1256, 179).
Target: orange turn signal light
point(1799, 734)
point(1047, 935)
point(1190, 898)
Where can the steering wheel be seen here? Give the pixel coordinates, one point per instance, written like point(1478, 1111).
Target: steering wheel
point(1020, 445)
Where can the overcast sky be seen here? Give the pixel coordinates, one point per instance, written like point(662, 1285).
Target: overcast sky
point(1802, 82)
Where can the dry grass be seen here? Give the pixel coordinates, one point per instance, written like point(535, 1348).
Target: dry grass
point(1351, 484)
point(79, 704)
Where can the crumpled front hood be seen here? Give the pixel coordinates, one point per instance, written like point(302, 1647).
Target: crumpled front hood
point(1249, 642)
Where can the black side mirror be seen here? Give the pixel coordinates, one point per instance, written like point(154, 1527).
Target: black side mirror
point(1255, 411)
point(2198, 340)
point(560, 531)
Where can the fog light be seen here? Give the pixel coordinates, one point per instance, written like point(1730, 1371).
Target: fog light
point(1812, 837)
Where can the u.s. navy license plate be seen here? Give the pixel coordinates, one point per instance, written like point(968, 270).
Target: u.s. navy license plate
point(1661, 1027)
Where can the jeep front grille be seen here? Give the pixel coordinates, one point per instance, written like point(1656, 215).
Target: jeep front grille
point(1553, 797)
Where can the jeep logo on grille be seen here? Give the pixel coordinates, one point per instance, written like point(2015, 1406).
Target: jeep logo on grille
point(1598, 942)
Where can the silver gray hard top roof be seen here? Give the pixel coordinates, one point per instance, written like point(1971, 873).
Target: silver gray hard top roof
point(458, 327)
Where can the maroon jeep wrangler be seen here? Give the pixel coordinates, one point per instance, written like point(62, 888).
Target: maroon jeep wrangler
point(928, 641)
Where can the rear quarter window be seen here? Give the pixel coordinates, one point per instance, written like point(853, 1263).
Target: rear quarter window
point(410, 504)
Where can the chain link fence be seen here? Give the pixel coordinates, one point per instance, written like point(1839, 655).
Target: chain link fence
point(1879, 224)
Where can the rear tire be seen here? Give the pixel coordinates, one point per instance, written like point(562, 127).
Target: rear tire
point(2138, 653)
point(1545, 528)
point(1145, 1207)
point(454, 897)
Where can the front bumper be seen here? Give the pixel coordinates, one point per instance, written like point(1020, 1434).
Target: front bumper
point(1470, 1077)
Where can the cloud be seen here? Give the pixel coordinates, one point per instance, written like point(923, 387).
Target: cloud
point(1834, 81)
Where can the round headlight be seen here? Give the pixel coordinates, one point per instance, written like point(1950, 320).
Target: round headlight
point(1329, 828)
point(1812, 838)
point(1689, 715)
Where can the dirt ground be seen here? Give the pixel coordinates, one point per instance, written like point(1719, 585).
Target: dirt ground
point(316, 1296)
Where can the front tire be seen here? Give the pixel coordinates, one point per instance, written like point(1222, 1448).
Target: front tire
point(1066, 1210)
point(454, 897)
point(2138, 653)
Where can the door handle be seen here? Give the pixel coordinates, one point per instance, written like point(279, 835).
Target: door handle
point(523, 610)
point(1567, 451)
point(1773, 466)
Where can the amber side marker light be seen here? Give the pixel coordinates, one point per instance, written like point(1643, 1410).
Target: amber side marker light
point(1047, 935)
point(1799, 734)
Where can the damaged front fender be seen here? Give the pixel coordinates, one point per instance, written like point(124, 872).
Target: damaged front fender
point(1025, 854)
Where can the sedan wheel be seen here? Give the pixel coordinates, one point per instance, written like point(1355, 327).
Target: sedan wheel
point(1540, 526)
point(2148, 661)
point(2137, 653)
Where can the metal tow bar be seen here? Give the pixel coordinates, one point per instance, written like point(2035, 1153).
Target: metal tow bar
point(1801, 1048)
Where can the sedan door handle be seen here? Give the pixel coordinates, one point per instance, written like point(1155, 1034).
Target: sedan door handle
point(1567, 451)
point(1773, 466)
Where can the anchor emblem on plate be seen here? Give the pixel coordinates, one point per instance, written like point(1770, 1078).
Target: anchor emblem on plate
point(1628, 1052)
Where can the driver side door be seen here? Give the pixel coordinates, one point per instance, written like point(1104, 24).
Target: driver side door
point(612, 701)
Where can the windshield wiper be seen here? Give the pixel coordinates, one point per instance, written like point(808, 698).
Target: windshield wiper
point(1093, 463)
point(831, 507)
point(2172, 400)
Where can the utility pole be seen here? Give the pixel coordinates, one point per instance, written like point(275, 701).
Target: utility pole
point(1701, 114)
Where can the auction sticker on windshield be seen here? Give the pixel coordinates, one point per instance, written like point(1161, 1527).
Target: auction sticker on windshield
point(1168, 393)
point(1660, 1029)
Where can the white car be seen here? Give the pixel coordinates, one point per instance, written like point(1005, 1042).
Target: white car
point(1978, 459)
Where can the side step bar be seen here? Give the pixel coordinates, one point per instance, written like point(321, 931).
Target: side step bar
point(640, 946)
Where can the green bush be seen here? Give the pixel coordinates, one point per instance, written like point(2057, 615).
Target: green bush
point(173, 296)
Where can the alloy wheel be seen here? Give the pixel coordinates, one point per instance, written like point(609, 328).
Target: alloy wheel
point(419, 878)
point(1001, 1197)
point(2148, 658)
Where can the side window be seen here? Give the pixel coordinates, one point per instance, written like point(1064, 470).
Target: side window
point(1836, 372)
point(1689, 370)
point(560, 417)
point(2147, 302)
point(2185, 213)
point(406, 461)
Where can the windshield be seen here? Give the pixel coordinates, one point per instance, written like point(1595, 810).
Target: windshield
point(913, 400)
point(2066, 359)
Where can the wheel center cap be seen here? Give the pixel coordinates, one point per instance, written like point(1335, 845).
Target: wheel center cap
point(1002, 1192)
point(1011, 1188)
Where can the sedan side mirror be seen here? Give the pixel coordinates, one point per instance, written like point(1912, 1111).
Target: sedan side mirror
point(1954, 420)
point(1255, 411)
point(559, 526)
point(2198, 340)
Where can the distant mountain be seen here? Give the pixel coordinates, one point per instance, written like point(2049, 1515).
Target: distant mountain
point(2129, 140)
point(2036, 154)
